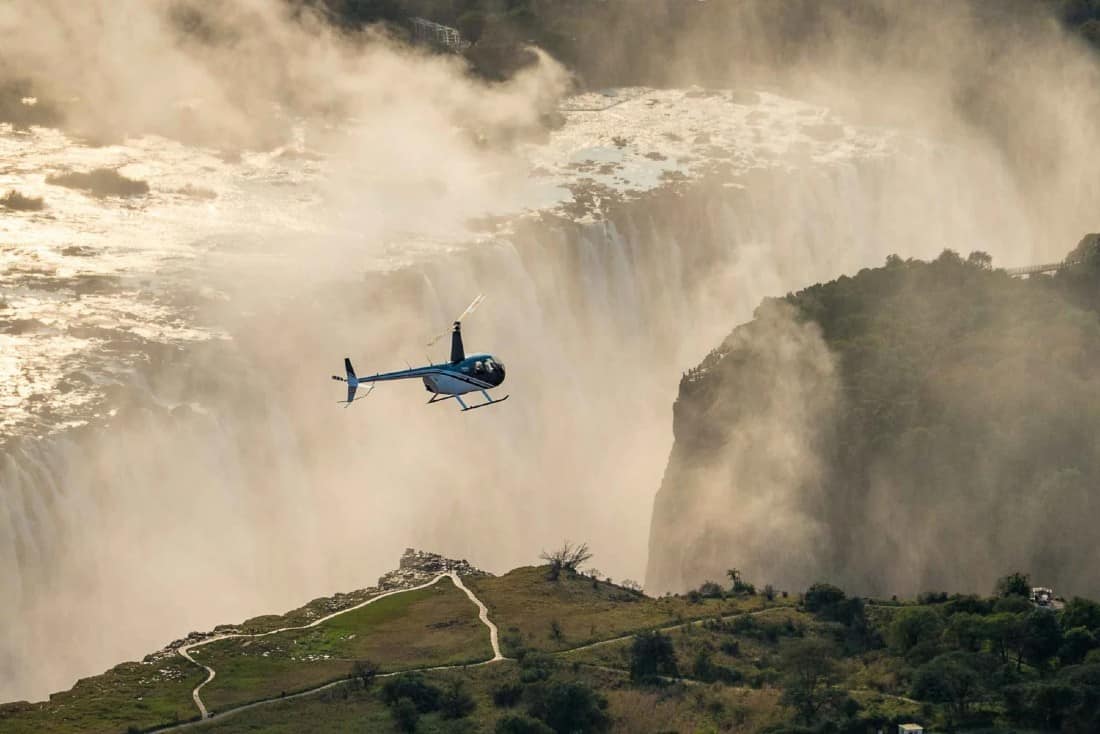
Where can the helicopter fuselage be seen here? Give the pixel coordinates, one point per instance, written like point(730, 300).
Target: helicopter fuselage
point(476, 372)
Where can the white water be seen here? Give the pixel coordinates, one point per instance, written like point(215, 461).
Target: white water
point(229, 483)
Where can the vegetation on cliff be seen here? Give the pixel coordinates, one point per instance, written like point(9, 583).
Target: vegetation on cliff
point(932, 421)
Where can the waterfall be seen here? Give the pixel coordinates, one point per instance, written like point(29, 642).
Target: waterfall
point(229, 483)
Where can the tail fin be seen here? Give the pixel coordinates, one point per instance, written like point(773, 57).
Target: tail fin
point(350, 379)
point(457, 352)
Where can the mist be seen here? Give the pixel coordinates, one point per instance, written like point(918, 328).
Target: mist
point(228, 483)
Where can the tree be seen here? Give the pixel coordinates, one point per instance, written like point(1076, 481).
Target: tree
point(739, 585)
point(710, 590)
point(1005, 631)
point(822, 596)
point(966, 631)
point(915, 633)
point(809, 671)
point(1042, 704)
point(1042, 637)
point(364, 671)
point(980, 259)
point(652, 656)
point(1014, 584)
point(1080, 612)
point(1076, 644)
point(413, 687)
point(507, 695)
point(535, 666)
point(405, 715)
point(569, 707)
point(456, 702)
point(567, 558)
point(952, 679)
point(521, 725)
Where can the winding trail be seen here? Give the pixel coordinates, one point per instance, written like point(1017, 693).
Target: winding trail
point(204, 715)
point(483, 616)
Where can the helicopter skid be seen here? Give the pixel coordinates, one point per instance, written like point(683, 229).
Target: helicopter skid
point(488, 400)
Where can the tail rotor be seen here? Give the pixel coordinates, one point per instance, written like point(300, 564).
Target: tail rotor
point(352, 381)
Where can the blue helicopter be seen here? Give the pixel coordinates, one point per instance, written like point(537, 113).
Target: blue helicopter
point(462, 374)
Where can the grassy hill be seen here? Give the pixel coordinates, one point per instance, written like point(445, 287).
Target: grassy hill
point(589, 656)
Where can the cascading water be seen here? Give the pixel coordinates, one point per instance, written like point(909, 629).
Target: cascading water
point(221, 479)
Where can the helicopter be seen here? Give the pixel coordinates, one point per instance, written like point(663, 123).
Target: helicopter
point(461, 375)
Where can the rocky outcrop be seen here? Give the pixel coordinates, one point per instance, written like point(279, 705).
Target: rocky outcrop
point(417, 567)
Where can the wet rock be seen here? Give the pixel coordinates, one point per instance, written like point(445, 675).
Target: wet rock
point(100, 182)
point(18, 202)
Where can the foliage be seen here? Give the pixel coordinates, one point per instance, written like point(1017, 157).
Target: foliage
point(1014, 584)
point(567, 558)
point(711, 590)
point(412, 687)
point(915, 633)
point(536, 666)
point(809, 672)
point(651, 657)
point(951, 678)
point(569, 707)
point(507, 695)
point(456, 702)
point(1080, 612)
point(406, 715)
point(521, 725)
point(364, 671)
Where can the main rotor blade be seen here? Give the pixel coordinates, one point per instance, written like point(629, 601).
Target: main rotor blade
point(469, 310)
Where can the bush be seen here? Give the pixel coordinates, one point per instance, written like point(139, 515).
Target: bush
point(1014, 584)
point(456, 702)
point(652, 656)
point(521, 725)
point(364, 671)
point(405, 714)
point(507, 695)
point(710, 590)
point(567, 558)
point(820, 597)
point(569, 708)
point(413, 687)
point(536, 666)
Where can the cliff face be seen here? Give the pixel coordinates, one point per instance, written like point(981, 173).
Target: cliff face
point(918, 426)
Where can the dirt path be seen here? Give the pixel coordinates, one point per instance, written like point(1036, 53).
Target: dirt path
point(185, 650)
point(483, 615)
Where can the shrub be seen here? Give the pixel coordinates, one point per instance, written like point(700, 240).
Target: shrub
point(507, 695)
point(710, 590)
point(569, 708)
point(567, 558)
point(652, 656)
point(405, 714)
point(413, 687)
point(456, 702)
point(364, 671)
point(536, 666)
point(522, 725)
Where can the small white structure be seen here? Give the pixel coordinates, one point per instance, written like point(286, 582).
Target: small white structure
point(910, 729)
point(436, 34)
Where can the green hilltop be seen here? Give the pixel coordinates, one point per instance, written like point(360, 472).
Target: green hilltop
point(586, 655)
